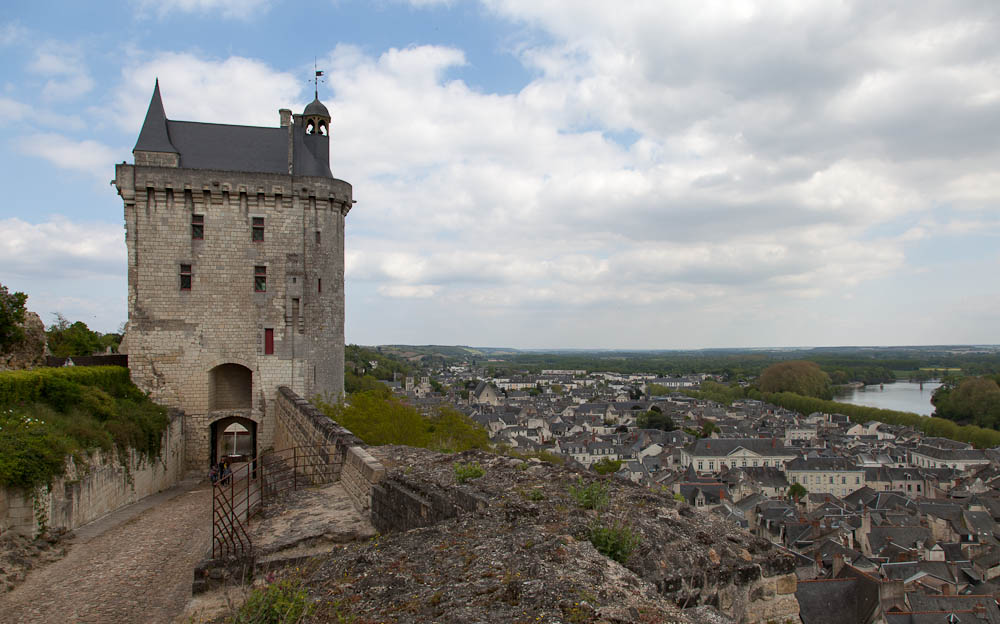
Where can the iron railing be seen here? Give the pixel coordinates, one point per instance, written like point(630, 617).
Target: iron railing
point(244, 492)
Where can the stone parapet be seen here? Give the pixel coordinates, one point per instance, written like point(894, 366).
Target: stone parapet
point(360, 473)
point(399, 504)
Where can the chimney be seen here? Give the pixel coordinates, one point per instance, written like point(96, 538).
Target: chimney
point(838, 564)
point(286, 117)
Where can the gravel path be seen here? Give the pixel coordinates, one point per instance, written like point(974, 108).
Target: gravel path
point(122, 568)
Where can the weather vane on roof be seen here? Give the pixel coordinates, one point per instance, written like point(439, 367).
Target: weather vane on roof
point(316, 81)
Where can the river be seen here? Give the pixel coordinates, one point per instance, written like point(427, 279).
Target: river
point(902, 396)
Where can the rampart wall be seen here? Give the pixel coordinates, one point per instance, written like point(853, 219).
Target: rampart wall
point(91, 489)
point(299, 424)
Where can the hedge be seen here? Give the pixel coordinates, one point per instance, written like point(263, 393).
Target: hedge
point(29, 386)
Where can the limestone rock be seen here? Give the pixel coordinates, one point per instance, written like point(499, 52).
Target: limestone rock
point(31, 352)
point(526, 555)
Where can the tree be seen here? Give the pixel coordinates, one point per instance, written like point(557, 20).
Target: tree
point(798, 376)
point(973, 400)
point(653, 389)
point(654, 419)
point(607, 466)
point(11, 317)
point(76, 339)
point(796, 491)
point(714, 391)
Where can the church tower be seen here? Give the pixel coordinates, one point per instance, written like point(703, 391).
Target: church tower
point(235, 238)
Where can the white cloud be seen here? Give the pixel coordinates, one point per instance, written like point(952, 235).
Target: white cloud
point(233, 9)
point(12, 110)
point(738, 165)
point(12, 33)
point(68, 76)
point(235, 90)
point(524, 210)
point(87, 156)
point(60, 248)
point(400, 291)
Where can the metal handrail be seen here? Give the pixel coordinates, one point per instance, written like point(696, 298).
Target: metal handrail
point(244, 492)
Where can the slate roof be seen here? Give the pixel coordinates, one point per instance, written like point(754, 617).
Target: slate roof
point(906, 570)
point(153, 137)
point(953, 604)
point(828, 601)
point(951, 454)
point(725, 446)
point(227, 147)
point(906, 537)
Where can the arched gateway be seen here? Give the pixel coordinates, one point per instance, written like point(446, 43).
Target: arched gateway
point(233, 438)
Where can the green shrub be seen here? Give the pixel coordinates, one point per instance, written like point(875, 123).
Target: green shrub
point(46, 414)
point(465, 472)
point(378, 420)
point(97, 403)
point(31, 452)
point(23, 387)
point(534, 495)
point(590, 496)
point(616, 541)
point(607, 466)
point(284, 602)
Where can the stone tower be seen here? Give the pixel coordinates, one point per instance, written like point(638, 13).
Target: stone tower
point(235, 239)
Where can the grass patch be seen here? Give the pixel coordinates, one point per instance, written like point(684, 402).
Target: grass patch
point(47, 414)
point(467, 472)
point(590, 495)
point(615, 541)
point(533, 495)
point(283, 602)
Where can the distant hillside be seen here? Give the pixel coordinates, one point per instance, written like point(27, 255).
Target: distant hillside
point(843, 364)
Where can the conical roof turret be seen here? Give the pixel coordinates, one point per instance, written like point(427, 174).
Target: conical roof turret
point(154, 136)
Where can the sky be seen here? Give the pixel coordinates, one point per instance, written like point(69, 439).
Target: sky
point(552, 173)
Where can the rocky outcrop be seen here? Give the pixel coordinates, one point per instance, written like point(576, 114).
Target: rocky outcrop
point(513, 545)
point(31, 352)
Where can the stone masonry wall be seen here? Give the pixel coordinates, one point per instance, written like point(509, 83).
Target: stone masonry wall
point(299, 424)
point(103, 484)
point(361, 472)
point(175, 336)
point(400, 505)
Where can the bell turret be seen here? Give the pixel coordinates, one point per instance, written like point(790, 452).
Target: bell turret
point(316, 118)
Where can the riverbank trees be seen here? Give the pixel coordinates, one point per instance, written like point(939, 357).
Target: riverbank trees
point(974, 400)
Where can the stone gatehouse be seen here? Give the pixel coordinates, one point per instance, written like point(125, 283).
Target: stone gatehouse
point(235, 238)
